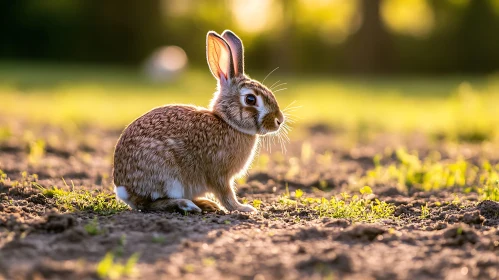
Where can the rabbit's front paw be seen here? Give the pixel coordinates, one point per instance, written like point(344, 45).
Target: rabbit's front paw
point(246, 208)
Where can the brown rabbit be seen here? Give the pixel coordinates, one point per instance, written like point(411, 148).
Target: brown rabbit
point(171, 157)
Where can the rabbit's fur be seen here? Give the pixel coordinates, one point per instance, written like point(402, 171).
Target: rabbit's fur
point(171, 157)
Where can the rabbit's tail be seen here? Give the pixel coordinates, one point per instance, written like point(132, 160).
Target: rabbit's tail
point(123, 195)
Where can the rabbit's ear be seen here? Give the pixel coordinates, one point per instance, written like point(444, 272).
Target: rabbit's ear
point(237, 49)
point(219, 57)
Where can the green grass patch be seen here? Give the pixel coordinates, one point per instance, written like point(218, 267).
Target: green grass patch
point(83, 200)
point(109, 268)
point(3, 176)
point(409, 171)
point(457, 108)
point(490, 191)
point(358, 208)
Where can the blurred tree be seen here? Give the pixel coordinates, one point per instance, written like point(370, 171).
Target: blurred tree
point(284, 39)
point(38, 29)
point(370, 49)
point(477, 38)
point(120, 30)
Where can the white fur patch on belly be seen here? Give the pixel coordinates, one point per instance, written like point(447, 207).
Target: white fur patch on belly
point(155, 195)
point(122, 194)
point(175, 189)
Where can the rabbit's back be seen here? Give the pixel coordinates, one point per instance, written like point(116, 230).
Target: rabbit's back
point(176, 148)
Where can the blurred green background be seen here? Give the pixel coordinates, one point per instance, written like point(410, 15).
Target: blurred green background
point(321, 36)
point(357, 65)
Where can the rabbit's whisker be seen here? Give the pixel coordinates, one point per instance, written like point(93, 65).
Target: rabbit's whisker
point(280, 90)
point(274, 84)
point(283, 146)
point(289, 116)
point(269, 74)
point(275, 87)
point(283, 136)
point(292, 107)
point(292, 102)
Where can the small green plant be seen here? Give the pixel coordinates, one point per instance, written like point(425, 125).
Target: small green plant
point(323, 184)
point(5, 133)
point(159, 239)
point(26, 181)
point(189, 268)
point(93, 227)
point(109, 268)
point(366, 190)
point(287, 190)
point(284, 200)
point(3, 176)
point(257, 203)
point(209, 261)
point(298, 193)
point(425, 211)
point(36, 151)
point(83, 200)
point(120, 249)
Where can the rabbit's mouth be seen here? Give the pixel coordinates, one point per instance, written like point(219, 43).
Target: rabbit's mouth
point(271, 123)
point(265, 130)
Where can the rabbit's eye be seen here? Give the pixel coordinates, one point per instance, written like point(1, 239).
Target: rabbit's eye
point(250, 99)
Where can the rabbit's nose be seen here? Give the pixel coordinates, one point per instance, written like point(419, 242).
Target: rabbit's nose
point(279, 119)
point(277, 122)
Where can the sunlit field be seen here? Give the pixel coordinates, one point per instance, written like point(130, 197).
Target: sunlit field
point(398, 164)
point(447, 106)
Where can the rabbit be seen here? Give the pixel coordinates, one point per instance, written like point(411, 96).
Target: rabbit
point(170, 158)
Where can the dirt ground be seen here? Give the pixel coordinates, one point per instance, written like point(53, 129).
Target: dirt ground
point(39, 240)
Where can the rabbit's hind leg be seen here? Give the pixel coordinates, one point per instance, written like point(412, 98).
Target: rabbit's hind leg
point(173, 204)
point(159, 204)
point(206, 204)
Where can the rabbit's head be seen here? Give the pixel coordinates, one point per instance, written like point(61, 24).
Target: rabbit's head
point(243, 103)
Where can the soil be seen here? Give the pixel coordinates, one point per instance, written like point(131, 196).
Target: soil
point(39, 240)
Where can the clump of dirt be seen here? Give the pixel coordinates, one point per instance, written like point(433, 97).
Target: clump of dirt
point(310, 234)
point(327, 263)
point(48, 269)
point(341, 223)
point(459, 235)
point(490, 211)
point(57, 223)
point(473, 217)
point(38, 199)
point(362, 232)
